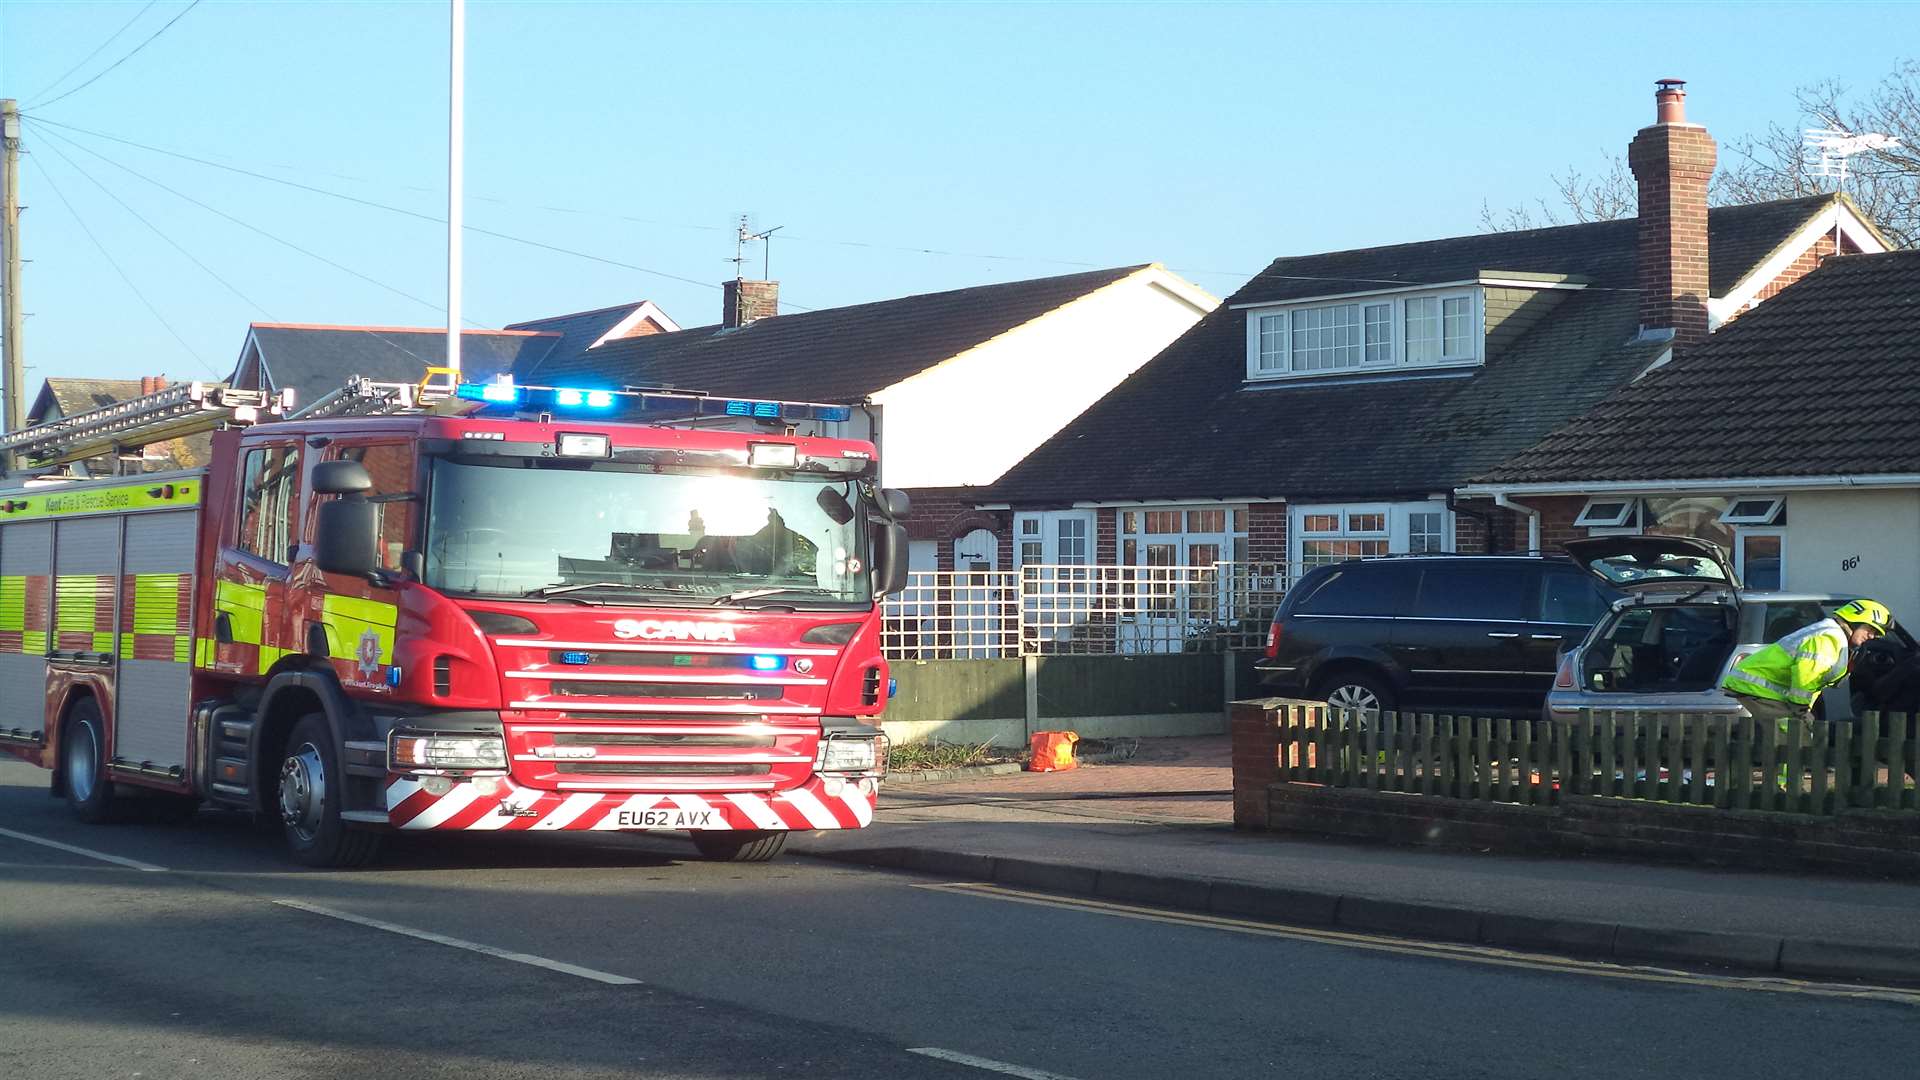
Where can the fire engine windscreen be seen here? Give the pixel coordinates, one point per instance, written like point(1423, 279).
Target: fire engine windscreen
point(517, 527)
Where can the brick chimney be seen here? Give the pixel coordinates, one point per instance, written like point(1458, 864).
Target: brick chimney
point(742, 302)
point(152, 384)
point(1673, 161)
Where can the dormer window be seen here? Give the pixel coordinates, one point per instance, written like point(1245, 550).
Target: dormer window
point(1367, 333)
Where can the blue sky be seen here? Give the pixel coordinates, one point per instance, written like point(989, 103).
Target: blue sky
point(1209, 137)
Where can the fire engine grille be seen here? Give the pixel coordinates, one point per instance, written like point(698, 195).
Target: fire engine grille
point(705, 691)
point(656, 768)
point(588, 738)
point(676, 661)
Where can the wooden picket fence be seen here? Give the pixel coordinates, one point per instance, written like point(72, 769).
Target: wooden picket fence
point(1702, 760)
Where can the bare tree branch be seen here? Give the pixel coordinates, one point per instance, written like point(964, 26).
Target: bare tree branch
point(1776, 164)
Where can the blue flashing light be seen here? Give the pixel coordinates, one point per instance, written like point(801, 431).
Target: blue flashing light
point(599, 399)
point(893, 688)
point(739, 408)
point(393, 676)
point(834, 413)
point(766, 409)
point(500, 392)
point(568, 397)
point(768, 663)
point(576, 657)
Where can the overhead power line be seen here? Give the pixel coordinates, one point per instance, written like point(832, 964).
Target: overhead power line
point(216, 211)
point(402, 211)
point(124, 58)
point(208, 270)
point(111, 38)
point(47, 175)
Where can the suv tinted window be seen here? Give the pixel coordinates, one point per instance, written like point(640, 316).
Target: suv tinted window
point(1360, 589)
point(1472, 590)
point(1573, 598)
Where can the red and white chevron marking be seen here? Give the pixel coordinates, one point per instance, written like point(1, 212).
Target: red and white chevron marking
point(494, 804)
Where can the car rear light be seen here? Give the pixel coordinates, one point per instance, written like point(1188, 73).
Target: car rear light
point(1564, 680)
point(1273, 642)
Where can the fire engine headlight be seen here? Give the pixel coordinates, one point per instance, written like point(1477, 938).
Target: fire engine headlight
point(852, 754)
point(447, 752)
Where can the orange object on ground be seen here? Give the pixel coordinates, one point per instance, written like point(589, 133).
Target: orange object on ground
point(1053, 751)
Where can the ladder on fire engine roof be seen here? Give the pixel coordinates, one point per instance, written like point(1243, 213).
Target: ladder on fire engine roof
point(170, 413)
point(195, 408)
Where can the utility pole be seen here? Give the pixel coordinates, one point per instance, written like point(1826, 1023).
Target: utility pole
point(11, 316)
point(456, 194)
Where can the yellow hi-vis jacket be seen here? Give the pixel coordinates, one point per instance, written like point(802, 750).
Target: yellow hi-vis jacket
point(1796, 668)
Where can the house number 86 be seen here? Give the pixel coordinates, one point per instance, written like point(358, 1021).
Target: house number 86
point(1851, 562)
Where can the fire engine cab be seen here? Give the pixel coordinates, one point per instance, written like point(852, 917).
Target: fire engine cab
point(489, 607)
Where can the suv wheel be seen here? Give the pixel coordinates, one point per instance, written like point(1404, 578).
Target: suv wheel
point(1358, 690)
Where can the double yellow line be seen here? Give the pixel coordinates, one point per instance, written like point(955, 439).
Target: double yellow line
point(1474, 954)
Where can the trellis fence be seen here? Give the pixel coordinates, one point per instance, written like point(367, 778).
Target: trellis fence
point(1082, 610)
point(1728, 762)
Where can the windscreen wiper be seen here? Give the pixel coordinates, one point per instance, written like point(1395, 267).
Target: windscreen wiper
point(557, 589)
point(749, 594)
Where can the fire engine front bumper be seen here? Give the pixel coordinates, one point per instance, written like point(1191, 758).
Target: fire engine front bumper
point(495, 803)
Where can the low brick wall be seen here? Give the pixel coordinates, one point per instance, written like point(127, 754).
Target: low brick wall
point(1878, 843)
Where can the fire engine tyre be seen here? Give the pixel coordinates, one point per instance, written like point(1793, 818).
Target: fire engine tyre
point(84, 764)
point(742, 846)
point(307, 792)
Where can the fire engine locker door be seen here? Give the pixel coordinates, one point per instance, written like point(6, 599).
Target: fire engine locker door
point(86, 566)
point(26, 595)
point(156, 640)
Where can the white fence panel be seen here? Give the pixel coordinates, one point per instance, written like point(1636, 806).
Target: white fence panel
point(1083, 610)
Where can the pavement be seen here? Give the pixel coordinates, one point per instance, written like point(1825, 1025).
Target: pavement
point(1156, 830)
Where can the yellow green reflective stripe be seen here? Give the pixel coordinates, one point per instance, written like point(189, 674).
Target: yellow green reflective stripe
point(77, 599)
point(203, 652)
point(245, 607)
point(351, 620)
point(33, 641)
point(270, 656)
point(13, 602)
point(119, 498)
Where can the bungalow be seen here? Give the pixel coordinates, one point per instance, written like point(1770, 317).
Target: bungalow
point(955, 386)
point(1333, 406)
point(1791, 438)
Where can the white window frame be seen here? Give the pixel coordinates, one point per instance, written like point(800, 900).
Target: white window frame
point(1740, 536)
point(1627, 518)
point(1273, 325)
point(1225, 540)
point(1397, 534)
point(1771, 516)
point(1048, 523)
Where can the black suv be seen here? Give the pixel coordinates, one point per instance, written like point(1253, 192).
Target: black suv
point(1439, 633)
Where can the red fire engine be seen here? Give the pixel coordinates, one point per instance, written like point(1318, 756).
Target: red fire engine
point(499, 608)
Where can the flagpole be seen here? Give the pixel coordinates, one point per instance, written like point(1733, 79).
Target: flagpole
point(456, 140)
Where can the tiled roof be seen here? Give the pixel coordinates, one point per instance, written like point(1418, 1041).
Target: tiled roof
point(315, 360)
point(81, 395)
point(837, 354)
point(1187, 425)
point(1600, 252)
point(1821, 380)
point(577, 331)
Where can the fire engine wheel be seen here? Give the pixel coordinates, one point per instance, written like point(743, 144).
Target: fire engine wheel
point(308, 791)
point(745, 846)
point(84, 763)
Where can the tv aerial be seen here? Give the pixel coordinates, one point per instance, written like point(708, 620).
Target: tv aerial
point(1833, 147)
point(745, 236)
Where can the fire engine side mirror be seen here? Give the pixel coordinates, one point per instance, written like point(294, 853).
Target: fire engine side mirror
point(341, 478)
point(346, 539)
point(895, 504)
point(893, 559)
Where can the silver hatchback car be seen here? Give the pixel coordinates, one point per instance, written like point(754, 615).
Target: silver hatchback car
point(1685, 621)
